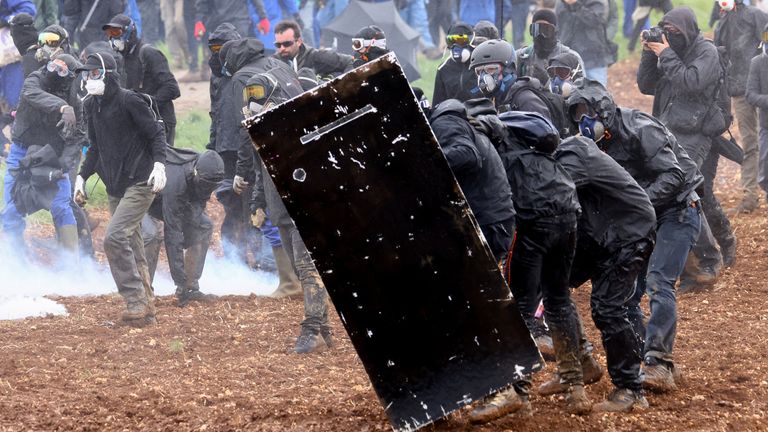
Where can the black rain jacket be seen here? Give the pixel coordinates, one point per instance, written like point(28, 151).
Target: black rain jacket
point(582, 26)
point(147, 71)
point(455, 80)
point(757, 87)
point(225, 128)
point(324, 62)
point(740, 31)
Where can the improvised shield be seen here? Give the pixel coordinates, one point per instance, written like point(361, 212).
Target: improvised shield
point(395, 242)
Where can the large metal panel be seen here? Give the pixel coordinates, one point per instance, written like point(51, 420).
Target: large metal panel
point(396, 244)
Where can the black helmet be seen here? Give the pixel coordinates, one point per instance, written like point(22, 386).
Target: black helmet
point(596, 96)
point(532, 130)
point(493, 51)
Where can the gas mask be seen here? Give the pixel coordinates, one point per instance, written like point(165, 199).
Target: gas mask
point(46, 52)
point(460, 53)
point(591, 128)
point(726, 5)
point(486, 83)
point(117, 44)
point(560, 86)
point(94, 79)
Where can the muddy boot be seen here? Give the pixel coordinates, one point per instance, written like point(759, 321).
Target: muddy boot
point(194, 294)
point(69, 240)
point(289, 285)
point(504, 402)
point(138, 313)
point(622, 400)
point(728, 251)
point(308, 342)
point(658, 375)
point(577, 402)
point(590, 369)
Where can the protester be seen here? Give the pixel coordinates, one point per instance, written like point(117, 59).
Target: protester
point(127, 151)
point(582, 26)
point(146, 69)
point(83, 19)
point(291, 49)
point(454, 79)
point(533, 60)
point(757, 95)
point(12, 74)
point(369, 44)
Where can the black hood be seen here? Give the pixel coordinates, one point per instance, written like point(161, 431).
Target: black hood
point(242, 52)
point(449, 106)
point(684, 20)
point(224, 33)
point(596, 96)
point(210, 166)
point(23, 32)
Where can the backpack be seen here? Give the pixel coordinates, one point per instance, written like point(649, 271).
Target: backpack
point(722, 93)
point(554, 102)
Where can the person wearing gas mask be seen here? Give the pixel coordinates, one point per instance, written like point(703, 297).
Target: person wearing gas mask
point(49, 113)
point(493, 62)
point(757, 95)
point(541, 255)
point(651, 155)
point(683, 72)
point(146, 69)
point(533, 60)
point(454, 79)
point(478, 168)
point(83, 18)
point(264, 90)
point(615, 240)
point(191, 177)
point(369, 44)
point(740, 32)
point(582, 26)
point(292, 50)
point(127, 151)
point(564, 70)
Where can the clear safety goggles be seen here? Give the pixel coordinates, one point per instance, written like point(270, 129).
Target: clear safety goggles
point(559, 71)
point(360, 43)
point(48, 38)
point(59, 67)
point(490, 69)
point(92, 74)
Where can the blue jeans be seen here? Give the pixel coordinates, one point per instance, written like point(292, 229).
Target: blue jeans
point(677, 231)
point(11, 80)
point(599, 74)
point(13, 221)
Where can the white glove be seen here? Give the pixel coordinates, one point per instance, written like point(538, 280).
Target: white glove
point(239, 184)
point(80, 196)
point(157, 178)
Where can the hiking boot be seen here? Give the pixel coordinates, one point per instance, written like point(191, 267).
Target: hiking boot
point(658, 377)
point(327, 336)
point(500, 404)
point(198, 296)
point(622, 400)
point(728, 252)
point(590, 369)
point(546, 346)
point(308, 341)
point(577, 402)
point(748, 204)
point(138, 314)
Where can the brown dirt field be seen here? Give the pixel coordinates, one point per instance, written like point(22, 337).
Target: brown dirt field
point(228, 365)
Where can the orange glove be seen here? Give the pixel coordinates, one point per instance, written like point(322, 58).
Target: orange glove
point(199, 30)
point(264, 26)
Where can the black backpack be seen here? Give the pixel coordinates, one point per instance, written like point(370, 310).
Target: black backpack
point(554, 102)
point(722, 94)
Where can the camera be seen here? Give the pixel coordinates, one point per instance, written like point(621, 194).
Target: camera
point(653, 34)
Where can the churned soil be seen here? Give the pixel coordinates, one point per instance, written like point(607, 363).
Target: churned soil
point(228, 365)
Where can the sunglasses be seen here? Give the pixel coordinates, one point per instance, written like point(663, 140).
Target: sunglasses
point(490, 69)
point(48, 38)
point(360, 43)
point(59, 67)
point(92, 74)
point(286, 44)
point(457, 39)
point(114, 32)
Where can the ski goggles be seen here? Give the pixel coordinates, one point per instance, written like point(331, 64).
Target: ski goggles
point(48, 38)
point(114, 32)
point(457, 39)
point(559, 71)
point(59, 67)
point(360, 43)
point(581, 109)
point(490, 69)
point(254, 92)
point(765, 36)
point(92, 74)
point(286, 44)
point(543, 28)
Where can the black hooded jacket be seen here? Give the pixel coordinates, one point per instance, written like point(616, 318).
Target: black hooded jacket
point(757, 86)
point(740, 32)
point(147, 71)
point(224, 128)
point(455, 80)
point(182, 207)
point(616, 211)
point(213, 13)
point(475, 163)
point(125, 138)
point(324, 62)
point(582, 26)
point(42, 97)
point(650, 153)
point(688, 79)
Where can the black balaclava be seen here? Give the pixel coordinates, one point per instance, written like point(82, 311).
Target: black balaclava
point(683, 19)
point(224, 33)
point(23, 32)
point(208, 173)
point(544, 33)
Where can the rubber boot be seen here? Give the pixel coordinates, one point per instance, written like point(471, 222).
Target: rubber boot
point(69, 240)
point(289, 285)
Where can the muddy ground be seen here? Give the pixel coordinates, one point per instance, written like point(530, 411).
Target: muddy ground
point(229, 366)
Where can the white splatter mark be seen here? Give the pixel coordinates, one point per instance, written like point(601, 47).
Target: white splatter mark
point(398, 139)
point(370, 333)
point(299, 175)
point(476, 341)
point(390, 363)
point(423, 405)
point(332, 158)
point(354, 294)
point(328, 272)
point(450, 298)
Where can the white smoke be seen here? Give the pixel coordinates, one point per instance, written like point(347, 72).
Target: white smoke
point(29, 286)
